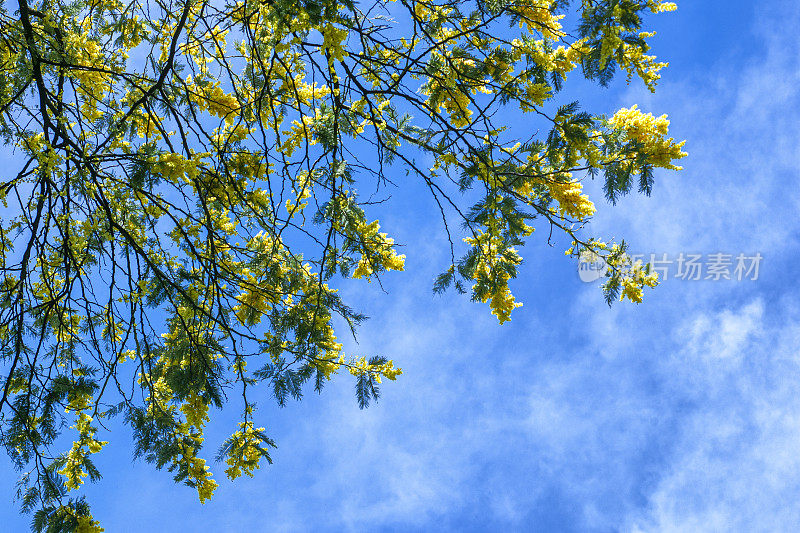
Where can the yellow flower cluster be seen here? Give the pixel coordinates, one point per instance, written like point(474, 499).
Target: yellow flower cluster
point(214, 99)
point(537, 15)
point(200, 474)
point(501, 300)
point(230, 134)
point(250, 165)
point(379, 252)
point(132, 31)
point(160, 394)
point(86, 524)
point(300, 132)
point(330, 363)
point(245, 453)
point(443, 92)
point(657, 6)
point(332, 39)
point(252, 299)
point(93, 83)
point(361, 366)
point(305, 192)
point(634, 282)
point(176, 168)
point(571, 200)
point(38, 147)
point(147, 125)
point(195, 410)
point(259, 295)
point(69, 328)
point(561, 60)
point(77, 401)
point(308, 93)
point(73, 469)
point(633, 59)
point(650, 132)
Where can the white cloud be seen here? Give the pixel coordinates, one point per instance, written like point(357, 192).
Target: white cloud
point(734, 466)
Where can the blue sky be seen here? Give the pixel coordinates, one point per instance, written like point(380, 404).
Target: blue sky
point(681, 414)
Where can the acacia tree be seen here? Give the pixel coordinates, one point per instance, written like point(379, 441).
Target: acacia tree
point(187, 194)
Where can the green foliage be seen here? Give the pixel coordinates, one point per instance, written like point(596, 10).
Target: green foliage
point(196, 179)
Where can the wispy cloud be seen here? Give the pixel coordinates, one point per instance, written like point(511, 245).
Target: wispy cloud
point(733, 467)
